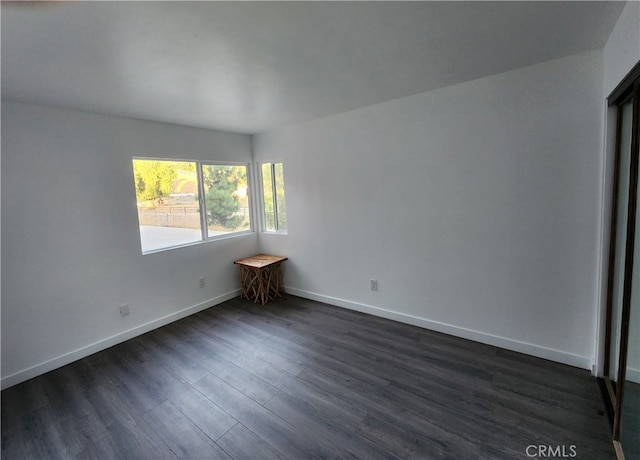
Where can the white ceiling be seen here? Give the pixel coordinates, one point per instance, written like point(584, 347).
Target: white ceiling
point(252, 66)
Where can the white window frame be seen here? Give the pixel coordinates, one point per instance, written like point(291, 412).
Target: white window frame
point(260, 187)
point(204, 228)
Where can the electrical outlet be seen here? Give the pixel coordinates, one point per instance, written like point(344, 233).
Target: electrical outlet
point(374, 285)
point(202, 283)
point(124, 310)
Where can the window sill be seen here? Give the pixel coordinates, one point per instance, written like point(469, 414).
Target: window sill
point(276, 232)
point(196, 243)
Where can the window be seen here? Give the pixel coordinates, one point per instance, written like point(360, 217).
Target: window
point(226, 199)
point(170, 210)
point(275, 210)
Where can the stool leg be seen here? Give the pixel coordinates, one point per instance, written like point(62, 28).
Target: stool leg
point(244, 293)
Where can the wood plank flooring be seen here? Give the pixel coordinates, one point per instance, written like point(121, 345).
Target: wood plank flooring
point(298, 379)
point(630, 437)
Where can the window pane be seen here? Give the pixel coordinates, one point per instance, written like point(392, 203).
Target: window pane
point(167, 198)
point(282, 208)
point(269, 209)
point(226, 199)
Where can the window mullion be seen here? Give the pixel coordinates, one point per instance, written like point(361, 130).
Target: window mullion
point(259, 194)
point(202, 203)
point(275, 197)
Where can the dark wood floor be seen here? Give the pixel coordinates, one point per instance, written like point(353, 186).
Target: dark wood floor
point(299, 379)
point(630, 437)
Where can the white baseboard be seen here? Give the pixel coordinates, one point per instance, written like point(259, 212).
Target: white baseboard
point(633, 375)
point(477, 336)
point(83, 352)
point(570, 359)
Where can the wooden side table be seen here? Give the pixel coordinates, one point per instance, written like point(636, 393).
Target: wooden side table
point(260, 277)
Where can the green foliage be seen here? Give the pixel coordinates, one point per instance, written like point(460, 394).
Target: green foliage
point(267, 188)
point(269, 202)
point(221, 184)
point(154, 179)
point(282, 208)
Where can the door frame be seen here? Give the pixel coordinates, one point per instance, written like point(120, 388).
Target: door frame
point(628, 89)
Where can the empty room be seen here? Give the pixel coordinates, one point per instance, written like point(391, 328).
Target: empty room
point(292, 230)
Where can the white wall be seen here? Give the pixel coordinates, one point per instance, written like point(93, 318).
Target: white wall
point(622, 50)
point(476, 207)
point(472, 205)
point(70, 241)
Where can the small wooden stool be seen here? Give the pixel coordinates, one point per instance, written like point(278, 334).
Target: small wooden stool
point(260, 277)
